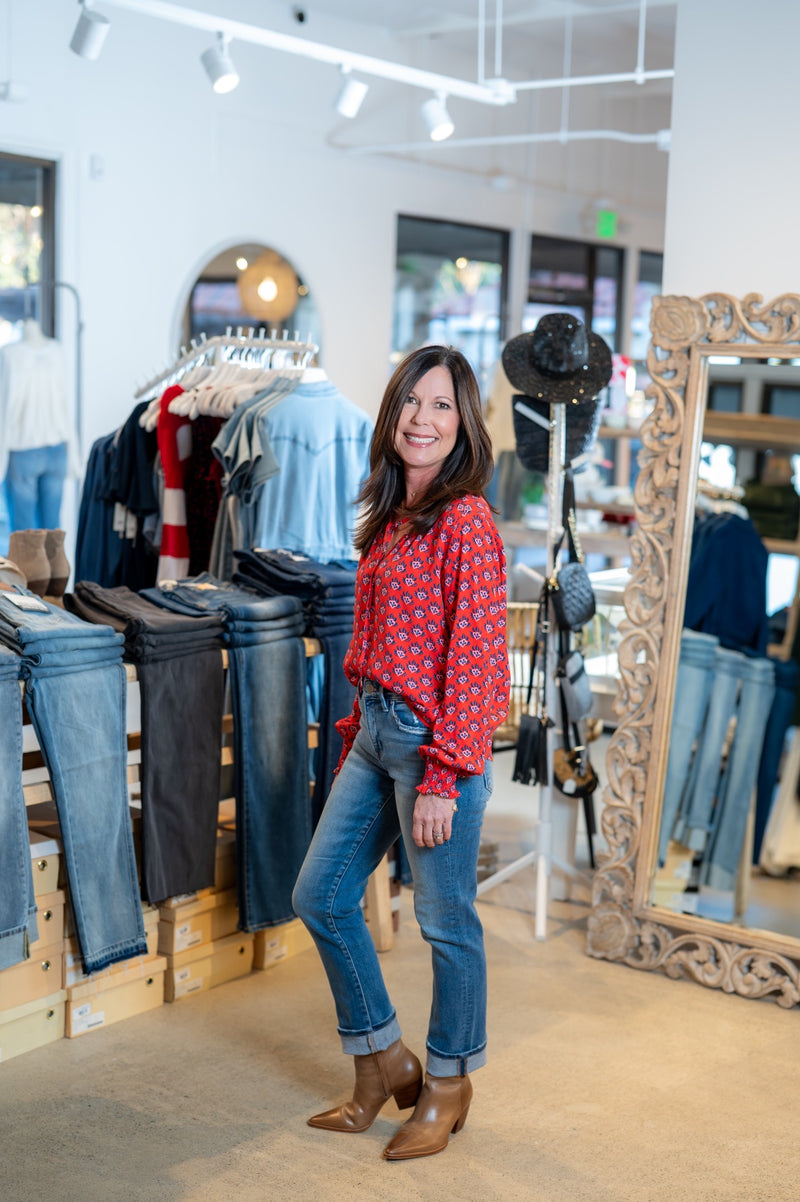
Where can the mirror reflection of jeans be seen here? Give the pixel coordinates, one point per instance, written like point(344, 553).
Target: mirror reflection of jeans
point(692, 690)
point(370, 805)
point(18, 923)
point(740, 775)
point(34, 487)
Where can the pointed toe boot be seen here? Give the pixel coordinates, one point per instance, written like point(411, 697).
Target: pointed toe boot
point(440, 1112)
point(379, 1076)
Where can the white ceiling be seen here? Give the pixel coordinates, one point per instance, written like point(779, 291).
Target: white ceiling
point(445, 38)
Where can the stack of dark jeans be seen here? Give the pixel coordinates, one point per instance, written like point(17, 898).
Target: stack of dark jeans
point(181, 681)
point(18, 926)
point(267, 675)
point(75, 692)
point(327, 591)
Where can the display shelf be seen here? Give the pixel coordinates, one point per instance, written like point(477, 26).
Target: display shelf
point(600, 542)
point(757, 431)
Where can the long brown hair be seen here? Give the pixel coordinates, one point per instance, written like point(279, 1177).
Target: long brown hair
point(467, 469)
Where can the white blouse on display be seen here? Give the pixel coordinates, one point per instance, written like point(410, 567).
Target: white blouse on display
point(34, 404)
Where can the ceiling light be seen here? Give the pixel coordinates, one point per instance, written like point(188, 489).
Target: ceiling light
point(351, 94)
point(90, 33)
point(437, 118)
point(241, 263)
point(219, 67)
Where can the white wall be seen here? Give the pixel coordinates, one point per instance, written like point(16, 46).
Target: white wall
point(734, 171)
point(186, 173)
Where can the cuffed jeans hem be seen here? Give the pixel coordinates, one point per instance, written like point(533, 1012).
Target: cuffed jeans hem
point(455, 1066)
point(101, 959)
point(372, 1041)
point(15, 945)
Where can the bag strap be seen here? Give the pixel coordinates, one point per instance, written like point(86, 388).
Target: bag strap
point(542, 607)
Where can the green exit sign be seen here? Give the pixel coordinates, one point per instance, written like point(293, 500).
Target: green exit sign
point(605, 223)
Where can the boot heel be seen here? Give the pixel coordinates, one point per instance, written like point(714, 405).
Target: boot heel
point(461, 1120)
point(407, 1096)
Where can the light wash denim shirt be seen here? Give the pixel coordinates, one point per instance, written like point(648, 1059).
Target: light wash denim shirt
point(321, 441)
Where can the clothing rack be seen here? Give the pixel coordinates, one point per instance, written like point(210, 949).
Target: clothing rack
point(247, 346)
point(542, 855)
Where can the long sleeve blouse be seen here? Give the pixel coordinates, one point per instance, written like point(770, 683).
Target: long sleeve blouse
point(430, 625)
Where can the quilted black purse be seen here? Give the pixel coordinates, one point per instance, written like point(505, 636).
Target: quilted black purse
point(571, 590)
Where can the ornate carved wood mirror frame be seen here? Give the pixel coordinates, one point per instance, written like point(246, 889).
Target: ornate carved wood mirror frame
point(624, 925)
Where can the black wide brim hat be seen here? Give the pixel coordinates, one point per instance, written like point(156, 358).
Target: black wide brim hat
point(533, 440)
point(559, 362)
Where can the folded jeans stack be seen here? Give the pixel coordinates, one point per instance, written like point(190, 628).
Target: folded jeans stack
point(181, 683)
point(75, 691)
point(267, 662)
point(327, 591)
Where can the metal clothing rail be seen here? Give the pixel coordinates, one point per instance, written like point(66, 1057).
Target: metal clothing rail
point(248, 346)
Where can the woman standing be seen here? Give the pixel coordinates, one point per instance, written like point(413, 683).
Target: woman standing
point(429, 659)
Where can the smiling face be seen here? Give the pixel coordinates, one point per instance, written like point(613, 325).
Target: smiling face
point(427, 428)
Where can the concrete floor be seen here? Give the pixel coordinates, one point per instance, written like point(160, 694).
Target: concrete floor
point(603, 1085)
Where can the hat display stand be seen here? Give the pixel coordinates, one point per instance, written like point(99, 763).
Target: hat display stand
point(542, 855)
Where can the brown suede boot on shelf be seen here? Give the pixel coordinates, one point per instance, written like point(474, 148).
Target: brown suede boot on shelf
point(59, 564)
point(441, 1110)
point(26, 548)
point(379, 1075)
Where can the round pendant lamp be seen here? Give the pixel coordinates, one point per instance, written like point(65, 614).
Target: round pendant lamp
point(268, 287)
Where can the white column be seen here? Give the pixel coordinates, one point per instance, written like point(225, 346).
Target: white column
point(733, 191)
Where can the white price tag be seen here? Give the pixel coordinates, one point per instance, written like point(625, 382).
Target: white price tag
point(23, 602)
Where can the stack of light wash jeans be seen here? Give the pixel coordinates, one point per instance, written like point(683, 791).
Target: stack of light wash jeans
point(75, 692)
point(327, 591)
point(18, 926)
point(267, 659)
point(181, 683)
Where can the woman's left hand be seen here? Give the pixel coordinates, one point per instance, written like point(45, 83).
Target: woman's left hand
point(433, 819)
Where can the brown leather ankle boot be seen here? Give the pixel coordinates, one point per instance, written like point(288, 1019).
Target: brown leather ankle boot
point(441, 1110)
point(59, 564)
point(26, 548)
point(378, 1075)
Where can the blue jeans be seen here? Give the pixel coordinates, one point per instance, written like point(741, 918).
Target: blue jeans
point(79, 720)
point(741, 773)
point(34, 487)
point(692, 690)
point(18, 925)
point(370, 805)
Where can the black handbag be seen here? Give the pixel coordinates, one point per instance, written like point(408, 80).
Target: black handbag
point(530, 761)
point(572, 592)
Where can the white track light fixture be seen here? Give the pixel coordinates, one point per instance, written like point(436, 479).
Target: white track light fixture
point(351, 94)
point(438, 120)
point(219, 67)
point(90, 33)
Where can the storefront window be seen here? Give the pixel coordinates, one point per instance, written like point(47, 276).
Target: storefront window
point(26, 244)
point(648, 285)
point(27, 190)
point(575, 277)
point(450, 287)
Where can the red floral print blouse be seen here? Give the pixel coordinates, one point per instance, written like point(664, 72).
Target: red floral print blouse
point(430, 625)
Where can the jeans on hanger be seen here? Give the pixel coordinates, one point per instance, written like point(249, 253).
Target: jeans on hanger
point(182, 703)
point(271, 783)
point(741, 771)
point(695, 825)
point(336, 701)
point(692, 689)
point(79, 719)
point(34, 487)
point(18, 926)
point(370, 806)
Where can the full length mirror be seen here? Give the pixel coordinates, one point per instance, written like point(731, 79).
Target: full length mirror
point(707, 676)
